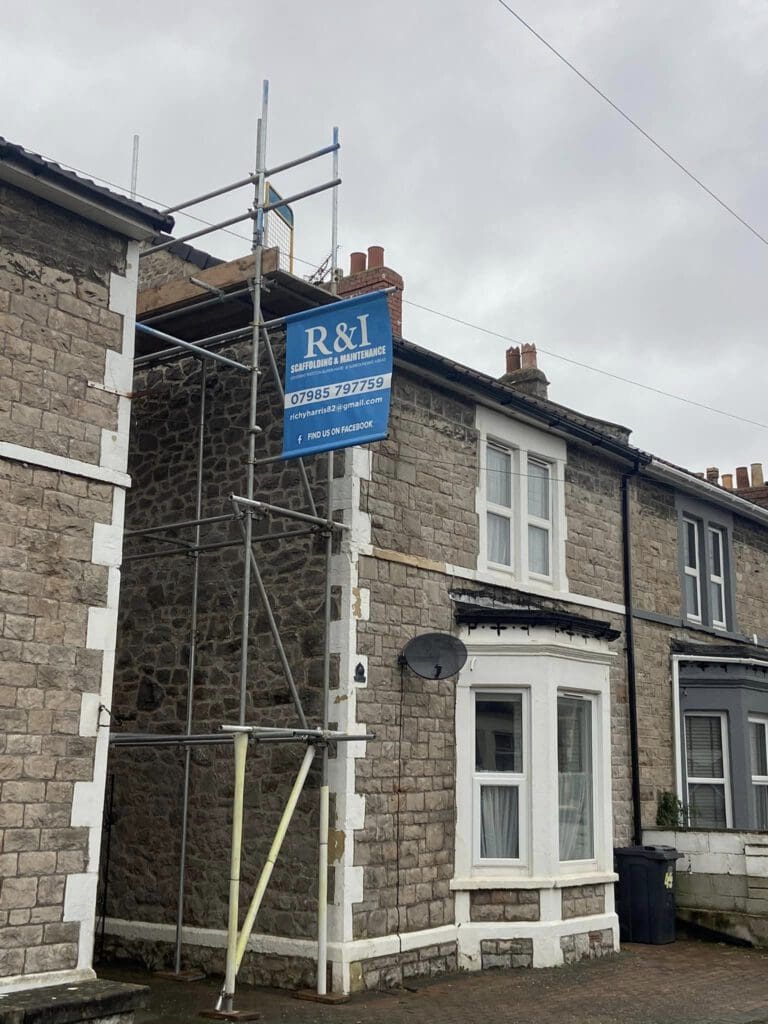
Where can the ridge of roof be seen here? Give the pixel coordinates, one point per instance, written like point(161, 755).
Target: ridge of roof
point(41, 167)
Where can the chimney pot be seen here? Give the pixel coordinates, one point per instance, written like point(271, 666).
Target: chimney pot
point(742, 477)
point(728, 481)
point(375, 256)
point(513, 359)
point(713, 474)
point(357, 262)
point(528, 357)
point(757, 474)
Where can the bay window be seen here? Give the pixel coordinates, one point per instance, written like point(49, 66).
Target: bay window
point(708, 793)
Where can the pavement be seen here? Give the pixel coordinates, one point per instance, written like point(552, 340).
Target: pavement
point(687, 981)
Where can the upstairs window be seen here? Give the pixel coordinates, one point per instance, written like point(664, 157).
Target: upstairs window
point(539, 518)
point(705, 567)
point(499, 503)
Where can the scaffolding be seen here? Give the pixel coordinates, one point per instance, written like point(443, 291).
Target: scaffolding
point(242, 509)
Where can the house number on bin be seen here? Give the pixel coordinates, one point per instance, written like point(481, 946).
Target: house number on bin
point(668, 880)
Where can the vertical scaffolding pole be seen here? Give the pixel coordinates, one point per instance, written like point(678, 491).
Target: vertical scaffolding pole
point(191, 667)
point(322, 884)
point(257, 249)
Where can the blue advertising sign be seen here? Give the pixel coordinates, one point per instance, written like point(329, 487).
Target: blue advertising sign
point(338, 375)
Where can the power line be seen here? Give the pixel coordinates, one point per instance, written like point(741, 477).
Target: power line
point(467, 323)
point(634, 124)
point(594, 369)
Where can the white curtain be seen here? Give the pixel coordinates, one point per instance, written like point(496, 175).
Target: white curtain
point(574, 760)
point(499, 832)
point(575, 815)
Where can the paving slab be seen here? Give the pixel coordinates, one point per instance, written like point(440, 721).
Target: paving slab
point(687, 982)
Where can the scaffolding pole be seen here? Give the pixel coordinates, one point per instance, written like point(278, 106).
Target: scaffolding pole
point(191, 666)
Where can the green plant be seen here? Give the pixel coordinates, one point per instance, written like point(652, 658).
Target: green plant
point(670, 812)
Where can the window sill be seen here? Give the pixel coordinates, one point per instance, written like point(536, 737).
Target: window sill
point(527, 882)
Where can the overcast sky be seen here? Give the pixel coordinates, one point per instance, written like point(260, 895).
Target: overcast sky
point(504, 190)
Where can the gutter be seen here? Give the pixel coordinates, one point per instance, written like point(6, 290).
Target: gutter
point(683, 481)
point(83, 201)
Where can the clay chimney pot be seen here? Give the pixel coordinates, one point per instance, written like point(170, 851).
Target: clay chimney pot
point(713, 474)
point(357, 262)
point(375, 256)
point(528, 357)
point(757, 474)
point(513, 359)
point(742, 477)
point(728, 481)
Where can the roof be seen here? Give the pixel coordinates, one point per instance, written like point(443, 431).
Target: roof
point(51, 181)
point(499, 618)
point(609, 436)
point(188, 253)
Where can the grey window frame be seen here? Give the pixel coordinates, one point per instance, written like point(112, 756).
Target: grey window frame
point(706, 518)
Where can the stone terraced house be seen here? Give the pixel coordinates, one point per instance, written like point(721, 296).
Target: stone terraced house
point(68, 283)
point(614, 608)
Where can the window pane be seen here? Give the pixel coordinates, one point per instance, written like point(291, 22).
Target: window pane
point(499, 734)
point(574, 763)
point(689, 544)
point(538, 550)
point(716, 600)
point(691, 596)
point(761, 806)
point(757, 748)
point(706, 805)
point(538, 490)
point(498, 471)
point(499, 822)
point(716, 553)
point(704, 746)
point(499, 549)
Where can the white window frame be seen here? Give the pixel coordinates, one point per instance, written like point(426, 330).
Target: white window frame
point(503, 511)
point(758, 780)
point(724, 781)
point(590, 863)
point(518, 780)
point(693, 571)
point(531, 520)
point(718, 581)
point(524, 443)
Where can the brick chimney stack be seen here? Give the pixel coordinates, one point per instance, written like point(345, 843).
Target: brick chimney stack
point(368, 273)
point(523, 372)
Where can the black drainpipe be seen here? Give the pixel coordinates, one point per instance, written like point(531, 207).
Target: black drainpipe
point(634, 748)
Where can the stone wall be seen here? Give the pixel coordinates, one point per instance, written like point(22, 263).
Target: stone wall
point(421, 497)
point(504, 905)
point(56, 327)
point(582, 901)
point(587, 945)
point(382, 972)
point(504, 954)
point(153, 658)
point(59, 541)
point(593, 548)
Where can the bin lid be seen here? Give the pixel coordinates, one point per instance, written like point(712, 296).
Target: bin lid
point(648, 852)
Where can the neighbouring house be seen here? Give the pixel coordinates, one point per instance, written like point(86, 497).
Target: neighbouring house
point(601, 593)
point(68, 281)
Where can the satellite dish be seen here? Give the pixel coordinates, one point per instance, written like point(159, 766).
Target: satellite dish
point(435, 655)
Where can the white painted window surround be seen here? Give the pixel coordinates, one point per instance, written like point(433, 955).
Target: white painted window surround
point(520, 503)
point(538, 668)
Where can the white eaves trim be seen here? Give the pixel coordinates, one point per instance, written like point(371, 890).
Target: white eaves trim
point(683, 481)
point(86, 208)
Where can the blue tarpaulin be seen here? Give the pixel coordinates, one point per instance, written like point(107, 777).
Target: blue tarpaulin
point(338, 375)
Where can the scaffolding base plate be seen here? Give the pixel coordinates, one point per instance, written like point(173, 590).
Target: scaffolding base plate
point(230, 1014)
point(333, 998)
point(188, 974)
